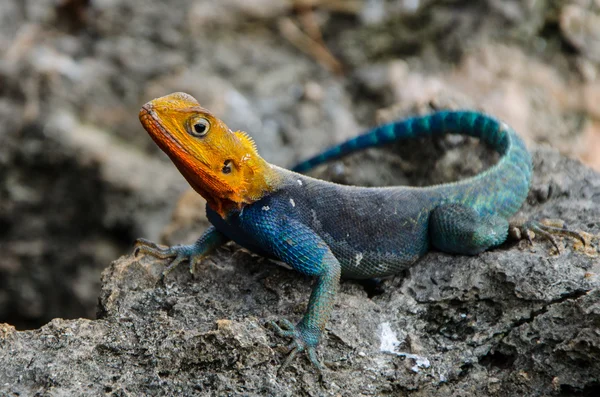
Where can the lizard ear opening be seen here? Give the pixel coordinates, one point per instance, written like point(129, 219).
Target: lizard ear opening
point(227, 167)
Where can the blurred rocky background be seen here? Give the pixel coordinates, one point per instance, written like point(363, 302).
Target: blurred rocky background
point(80, 179)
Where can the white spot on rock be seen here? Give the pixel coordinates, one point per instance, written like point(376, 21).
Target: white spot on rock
point(292, 202)
point(389, 343)
point(299, 182)
point(266, 208)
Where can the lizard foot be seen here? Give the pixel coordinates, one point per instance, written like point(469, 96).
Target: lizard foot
point(547, 228)
point(179, 253)
point(304, 340)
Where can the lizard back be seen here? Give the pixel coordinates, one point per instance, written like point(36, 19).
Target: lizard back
point(380, 231)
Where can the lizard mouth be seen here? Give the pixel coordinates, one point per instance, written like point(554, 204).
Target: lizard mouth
point(149, 119)
point(152, 124)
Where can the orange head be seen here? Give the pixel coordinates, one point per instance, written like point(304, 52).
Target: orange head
point(222, 165)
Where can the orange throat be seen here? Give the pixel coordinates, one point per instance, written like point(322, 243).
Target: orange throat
point(223, 198)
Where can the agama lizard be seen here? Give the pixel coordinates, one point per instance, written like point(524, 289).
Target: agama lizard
point(327, 230)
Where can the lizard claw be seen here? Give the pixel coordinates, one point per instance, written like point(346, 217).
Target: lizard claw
point(304, 340)
point(179, 253)
point(288, 330)
point(548, 229)
point(142, 245)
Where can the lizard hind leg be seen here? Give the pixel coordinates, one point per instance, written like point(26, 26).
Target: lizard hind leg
point(459, 229)
point(547, 229)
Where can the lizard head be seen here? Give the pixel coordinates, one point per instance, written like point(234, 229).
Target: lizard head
point(221, 165)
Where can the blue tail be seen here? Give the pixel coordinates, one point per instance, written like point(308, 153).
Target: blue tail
point(471, 123)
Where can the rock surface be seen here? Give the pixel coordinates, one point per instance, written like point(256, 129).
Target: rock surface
point(80, 180)
point(518, 320)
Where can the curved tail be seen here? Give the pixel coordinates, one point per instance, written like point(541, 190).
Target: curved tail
point(469, 123)
point(501, 189)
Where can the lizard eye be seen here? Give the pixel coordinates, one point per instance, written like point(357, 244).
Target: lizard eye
point(199, 127)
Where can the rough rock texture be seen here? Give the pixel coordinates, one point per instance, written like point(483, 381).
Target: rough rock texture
point(518, 320)
point(80, 180)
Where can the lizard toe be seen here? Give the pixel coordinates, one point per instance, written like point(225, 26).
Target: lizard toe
point(549, 229)
point(178, 254)
point(303, 340)
point(287, 330)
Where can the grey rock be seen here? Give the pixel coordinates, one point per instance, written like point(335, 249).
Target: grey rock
point(518, 320)
point(580, 25)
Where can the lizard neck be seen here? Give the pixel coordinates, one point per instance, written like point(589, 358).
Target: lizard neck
point(261, 179)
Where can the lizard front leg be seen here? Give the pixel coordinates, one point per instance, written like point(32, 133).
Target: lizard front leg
point(306, 335)
point(302, 249)
point(207, 243)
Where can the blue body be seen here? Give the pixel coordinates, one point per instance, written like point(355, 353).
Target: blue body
point(376, 232)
